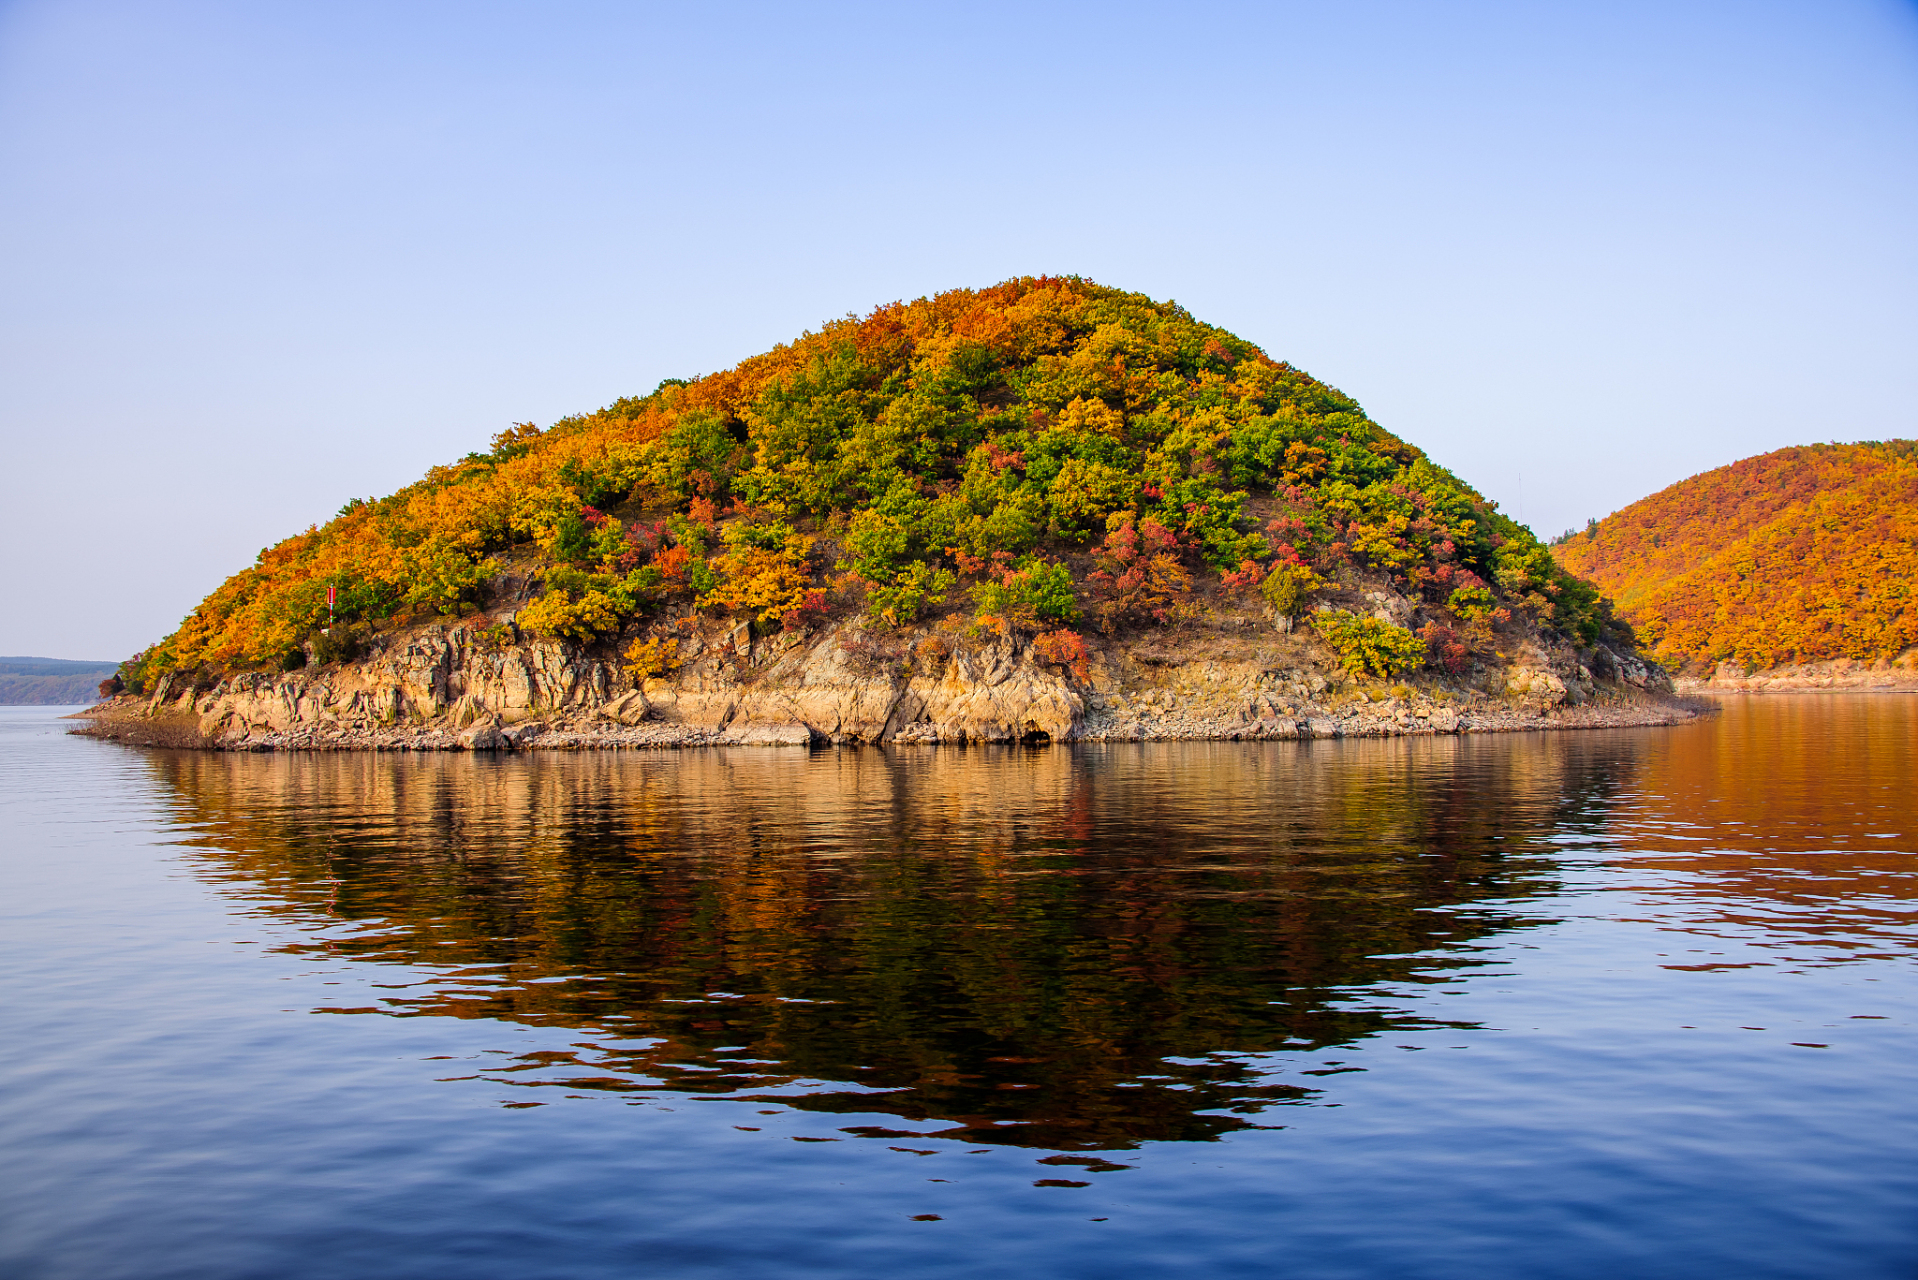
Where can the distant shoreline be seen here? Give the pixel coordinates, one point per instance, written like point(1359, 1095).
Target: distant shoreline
point(51, 682)
point(1839, 675)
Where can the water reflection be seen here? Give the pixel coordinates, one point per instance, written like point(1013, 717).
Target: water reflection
point(1785, 820)
point(1076, 949)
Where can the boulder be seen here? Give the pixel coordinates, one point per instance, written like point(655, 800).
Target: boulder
point(485, 737)
point(1535, 685)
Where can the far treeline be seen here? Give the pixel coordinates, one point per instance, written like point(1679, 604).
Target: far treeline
point(51, 682)
point(1045, 456)
point(1800, 555)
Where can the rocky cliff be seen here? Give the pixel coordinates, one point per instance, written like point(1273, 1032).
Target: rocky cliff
point(484, 684)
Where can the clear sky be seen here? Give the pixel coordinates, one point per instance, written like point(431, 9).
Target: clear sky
point(262, 258)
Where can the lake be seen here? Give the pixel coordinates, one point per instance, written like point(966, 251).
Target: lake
point(1583, 1004)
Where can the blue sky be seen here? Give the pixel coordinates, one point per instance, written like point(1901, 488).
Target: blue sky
point(263, 258)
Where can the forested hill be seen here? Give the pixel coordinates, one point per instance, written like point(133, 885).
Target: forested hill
point(1042, 455)
point(50, 682)
point(1799, 555)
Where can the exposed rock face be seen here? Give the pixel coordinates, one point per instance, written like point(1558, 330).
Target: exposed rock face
point(463, 686)
point(1542, 680)
point(781, 691)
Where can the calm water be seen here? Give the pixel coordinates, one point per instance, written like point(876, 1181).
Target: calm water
point(1636, 1003)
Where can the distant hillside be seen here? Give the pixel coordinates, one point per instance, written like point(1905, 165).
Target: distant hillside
point(1800, 555)
point(51, 682)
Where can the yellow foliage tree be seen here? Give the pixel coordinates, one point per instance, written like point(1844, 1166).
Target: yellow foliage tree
point(651, 658)
point(582, 619)
point(761, 582)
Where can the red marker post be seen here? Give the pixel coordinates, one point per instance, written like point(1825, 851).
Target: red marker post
point(332, 594)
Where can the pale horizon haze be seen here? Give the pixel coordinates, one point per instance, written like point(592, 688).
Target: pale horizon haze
point(262, 259)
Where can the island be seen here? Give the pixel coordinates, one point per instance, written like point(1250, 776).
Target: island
point(1043, 511)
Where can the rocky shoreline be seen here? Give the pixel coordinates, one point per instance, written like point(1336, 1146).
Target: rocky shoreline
point(482, 685)
point(114, 723)
point(1886, 675)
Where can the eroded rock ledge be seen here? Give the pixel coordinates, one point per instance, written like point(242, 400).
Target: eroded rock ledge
point(482, 685)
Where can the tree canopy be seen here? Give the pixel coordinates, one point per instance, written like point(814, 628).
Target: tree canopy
point(1053, 452)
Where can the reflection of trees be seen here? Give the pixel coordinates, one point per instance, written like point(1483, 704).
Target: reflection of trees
point(990, 936)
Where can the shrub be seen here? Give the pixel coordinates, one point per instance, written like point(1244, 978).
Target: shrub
point(702, 577)
point(1249, 574)
point(1065, 649)
point(673, 566)
point(1139, 576)
point(444, 574)
point(765, 583)
point(693, 455)
point(1024, 597)
point(572, 539)
point(915, 588)
point(1445, 649)
point(1084, 493)
point(293, 659)
point(809, 612)
point(933, 652)
point(1480, 610)
point(1367, 646)
point(340, 643)
point(133, 672)
point(1288, 585)
point(1472, 601)
point(650, 659)
point(556, 615)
